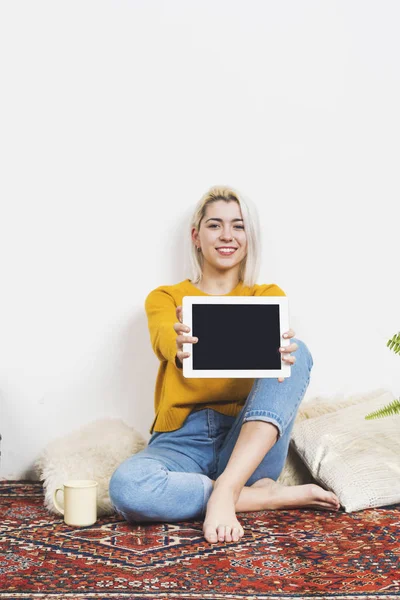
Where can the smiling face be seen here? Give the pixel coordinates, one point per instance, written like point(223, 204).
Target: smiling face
point(222, 226)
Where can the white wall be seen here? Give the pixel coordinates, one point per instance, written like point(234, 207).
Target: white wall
point(116, 117)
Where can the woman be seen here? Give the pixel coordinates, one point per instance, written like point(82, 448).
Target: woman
point(217, 445)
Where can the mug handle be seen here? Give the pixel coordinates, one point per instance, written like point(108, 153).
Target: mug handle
point(58, 507)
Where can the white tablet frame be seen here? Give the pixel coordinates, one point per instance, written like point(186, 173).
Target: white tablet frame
point(187, 303)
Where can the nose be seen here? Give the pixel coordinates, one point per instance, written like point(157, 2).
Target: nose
point(226, 236)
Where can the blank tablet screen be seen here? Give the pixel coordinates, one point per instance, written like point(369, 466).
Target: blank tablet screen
point(236, 336)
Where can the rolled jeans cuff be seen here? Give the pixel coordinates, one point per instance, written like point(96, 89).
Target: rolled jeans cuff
point(266, 416)
point(207, 491)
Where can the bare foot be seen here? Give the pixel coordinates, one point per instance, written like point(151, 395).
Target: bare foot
point(309, 495)
point(221, 523)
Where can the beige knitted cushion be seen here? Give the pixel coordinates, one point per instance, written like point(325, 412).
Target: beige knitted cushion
point(357, 459)
point(295, 471)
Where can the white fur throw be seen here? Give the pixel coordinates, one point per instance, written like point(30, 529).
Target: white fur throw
point(98, 448)
point(92, 452)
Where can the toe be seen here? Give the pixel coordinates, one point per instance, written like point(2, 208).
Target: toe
point(235, 534)
point(228, 537)
point(325, 506)
point(210, 534)
point(221, 532)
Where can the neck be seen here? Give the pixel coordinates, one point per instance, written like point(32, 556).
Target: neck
point(212, 283)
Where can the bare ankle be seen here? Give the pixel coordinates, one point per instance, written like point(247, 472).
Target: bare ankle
point(228, 485)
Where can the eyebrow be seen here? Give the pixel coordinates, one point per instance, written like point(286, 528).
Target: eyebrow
point(217, 219)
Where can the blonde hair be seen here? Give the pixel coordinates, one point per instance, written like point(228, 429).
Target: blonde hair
point(250, 265)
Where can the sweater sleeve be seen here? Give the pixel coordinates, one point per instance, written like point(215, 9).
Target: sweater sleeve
point(269, 289)
point(161, 315)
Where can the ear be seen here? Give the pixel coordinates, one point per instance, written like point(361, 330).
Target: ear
point(195, 235)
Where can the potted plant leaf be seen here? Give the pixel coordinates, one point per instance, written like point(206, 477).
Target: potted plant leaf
point(394, 407)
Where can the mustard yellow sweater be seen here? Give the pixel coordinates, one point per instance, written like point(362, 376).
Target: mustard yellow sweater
point(176, 396)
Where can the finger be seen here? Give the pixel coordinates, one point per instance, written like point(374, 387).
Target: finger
point(179, 313)
point(186, 339)
point(289, 334)
point(291, 348)
point(181, 327)
point(289, 359)
point(190, 339)
point(281, 379)
point(182, 355)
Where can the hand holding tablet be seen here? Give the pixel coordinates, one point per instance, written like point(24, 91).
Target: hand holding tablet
point(180, 329)
point(237, 336)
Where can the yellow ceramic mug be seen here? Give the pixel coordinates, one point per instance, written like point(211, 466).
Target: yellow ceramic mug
point(80, 502)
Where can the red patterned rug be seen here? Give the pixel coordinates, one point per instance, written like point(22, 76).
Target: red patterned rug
point(297, 553)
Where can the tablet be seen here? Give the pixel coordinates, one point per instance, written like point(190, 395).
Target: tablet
point(238, 336)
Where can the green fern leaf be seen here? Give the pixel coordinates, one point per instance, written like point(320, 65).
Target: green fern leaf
point(394, 343)
point(394, 407)
point(390, 409)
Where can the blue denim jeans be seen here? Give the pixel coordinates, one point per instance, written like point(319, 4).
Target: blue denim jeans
point(170, 479)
